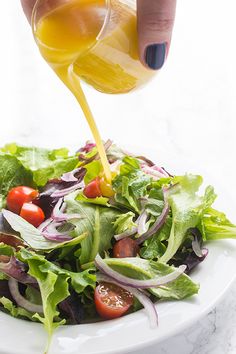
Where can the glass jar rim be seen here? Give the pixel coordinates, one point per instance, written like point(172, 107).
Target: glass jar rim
point(100, 35)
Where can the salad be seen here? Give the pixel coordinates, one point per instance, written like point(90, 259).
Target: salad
point(76, 249)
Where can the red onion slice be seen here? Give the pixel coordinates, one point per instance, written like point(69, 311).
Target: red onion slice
point(16, 269)
point(161, 170)
point(58, 214)
point(127, 233)
point(197, 242)
point(20, 300)
point(140, 295)
point(70, 176)
point(136, 283)
point(66, 191)
point(141, 221)
point(155, 171)
point(52, 234)
point(146, 160)
point(87, 148)
point(49, 227)
point(196, 247)
point(205, 252)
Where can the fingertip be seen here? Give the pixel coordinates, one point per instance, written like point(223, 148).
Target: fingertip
point(155, 20)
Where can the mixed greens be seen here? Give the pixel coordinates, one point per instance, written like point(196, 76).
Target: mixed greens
point(102, 249)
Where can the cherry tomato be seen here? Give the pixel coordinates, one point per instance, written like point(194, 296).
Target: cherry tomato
point(92, 190)
point(32, 213)
point(106, 188)
point(125, 248)
point(111, 301)
point(18, 196)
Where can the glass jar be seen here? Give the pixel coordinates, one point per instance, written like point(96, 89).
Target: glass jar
point(97, 38)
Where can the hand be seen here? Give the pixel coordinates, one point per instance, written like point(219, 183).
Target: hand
point(28, 7)
point(155, 24)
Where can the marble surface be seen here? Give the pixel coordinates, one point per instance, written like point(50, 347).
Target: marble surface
point(214, 334)
point(188, 111)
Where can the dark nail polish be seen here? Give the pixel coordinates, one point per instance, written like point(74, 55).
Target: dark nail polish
point(155, 55)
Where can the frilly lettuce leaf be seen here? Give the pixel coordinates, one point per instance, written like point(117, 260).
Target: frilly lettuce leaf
point(12, 174)
point(215, 226)
point(155, 247)
point(42, 164)
point(187, 210)
point(138, 268)
point(97, 223)
point(6, 250)
point(93, 169)
point(54, 286)
point(124, 222)
point(15, 311)
point(98, 201)
point(131, 184)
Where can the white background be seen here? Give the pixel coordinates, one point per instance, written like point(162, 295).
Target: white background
point(186, 116)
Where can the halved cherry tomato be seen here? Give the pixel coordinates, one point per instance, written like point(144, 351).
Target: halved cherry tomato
point(111, 301)
point(106, 188)
point(92, 190)
point(125, 248)
point(32, 213)
point(18, 196)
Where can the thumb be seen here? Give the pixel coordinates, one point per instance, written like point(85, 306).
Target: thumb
point(155, 24)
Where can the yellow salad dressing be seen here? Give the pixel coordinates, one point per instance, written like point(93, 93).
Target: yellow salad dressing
point(72, 40)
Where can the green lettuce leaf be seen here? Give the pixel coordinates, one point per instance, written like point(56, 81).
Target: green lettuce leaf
point(137, 268)
point(79, 280)
point(124, 222)
point(153, 206)
point(214, 225)
point(97, 223)
point(15, 311)
point(6, 250)
point(99, 200)
point(43, 163)
point(187, 210)
point(33, 295)
point(131, 184)
point(12, 174)
point(93, 169)
point(154, 247)
point(53, 288)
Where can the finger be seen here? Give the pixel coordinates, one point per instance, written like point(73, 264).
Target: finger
point(155, 25)
point(28, 6)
